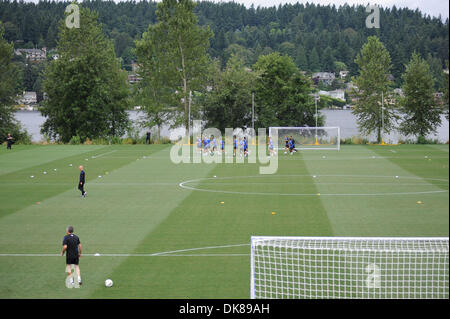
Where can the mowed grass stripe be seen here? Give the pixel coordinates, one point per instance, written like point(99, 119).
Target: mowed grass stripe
point(22, 157)
point(18, 190)
point(430, 162)
point(398, 215)
point(203, 220)
point(109, 220)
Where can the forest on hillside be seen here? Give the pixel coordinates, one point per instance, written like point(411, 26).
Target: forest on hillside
point(318, 38)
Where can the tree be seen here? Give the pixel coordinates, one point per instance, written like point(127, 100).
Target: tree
point(185, 46)
point(445, 97)
point(339, 66)
point(421, 114)
point(301, 60)
point(282, 93)
point(229, 104)
point(435, 66)
point(374, 64)
point(8, 92)
point(314, 61)
point(328, 60)
point(153, 92)
point(299, 108)
point(87, 92)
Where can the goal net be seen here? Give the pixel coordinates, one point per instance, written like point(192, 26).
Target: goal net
point(308, 138)
point(339, 267)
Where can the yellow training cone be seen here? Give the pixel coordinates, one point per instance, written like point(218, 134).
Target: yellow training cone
point(222, 202)
point(273, 213)
point(419, 202)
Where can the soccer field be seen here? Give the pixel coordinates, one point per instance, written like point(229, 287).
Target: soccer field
point(176, 231)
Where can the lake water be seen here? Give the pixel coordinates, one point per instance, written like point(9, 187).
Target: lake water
point(32, 121)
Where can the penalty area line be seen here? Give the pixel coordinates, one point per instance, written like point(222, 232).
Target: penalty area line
point(128, 255)
point(172, 253)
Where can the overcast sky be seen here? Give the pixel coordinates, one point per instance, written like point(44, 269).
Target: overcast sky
point(431, 7)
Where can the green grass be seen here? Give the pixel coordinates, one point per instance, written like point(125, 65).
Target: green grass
point(137, 207)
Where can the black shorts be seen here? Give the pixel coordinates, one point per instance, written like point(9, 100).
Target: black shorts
point(70, 260)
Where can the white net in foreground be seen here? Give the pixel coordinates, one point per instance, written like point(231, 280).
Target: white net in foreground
point(308, 138)
point(339, 267)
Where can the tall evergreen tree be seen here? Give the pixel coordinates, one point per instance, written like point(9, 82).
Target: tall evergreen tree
point(301, 59)
point(421, 114)
point(374, 65)
point(314, 61)
point(328, 60)
point(446, 88)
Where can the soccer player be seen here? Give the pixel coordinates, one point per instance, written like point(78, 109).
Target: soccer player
point(222, 145)
point(241, 147)
point(199, 144)
point(245, 146)
point(82, 181)
point(206, 143)
point(147, 139)
point(9, 141)
point(293, 149)
point(214, 143)
point(234, 145)
point(286, 144)
point(72, 248)
point(271, 151)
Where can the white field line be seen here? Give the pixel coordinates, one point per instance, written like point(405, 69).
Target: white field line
point(315, 158)
point(183, 185)
point(127, 255)
point(103, 154)
point(173, 253)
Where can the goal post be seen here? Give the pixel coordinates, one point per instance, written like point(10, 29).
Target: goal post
point(349, 267)
point(308, 138)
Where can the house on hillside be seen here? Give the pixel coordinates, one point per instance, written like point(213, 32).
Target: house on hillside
point(326, 78)
point(134, 78)
point(27, 98)
point(33, 55)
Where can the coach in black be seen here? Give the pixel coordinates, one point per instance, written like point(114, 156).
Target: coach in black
point(82, 181)
point(9, 142)
point(72, 248)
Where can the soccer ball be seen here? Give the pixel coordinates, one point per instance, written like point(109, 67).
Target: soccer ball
point(108, 283)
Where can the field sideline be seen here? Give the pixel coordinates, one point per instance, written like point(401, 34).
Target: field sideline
point(159, 240)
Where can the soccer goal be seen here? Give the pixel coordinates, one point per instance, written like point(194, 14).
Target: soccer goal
point(308, 138)
point(353, 267)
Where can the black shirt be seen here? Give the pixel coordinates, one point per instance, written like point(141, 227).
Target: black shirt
point(82, 176)
point(72, 241)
